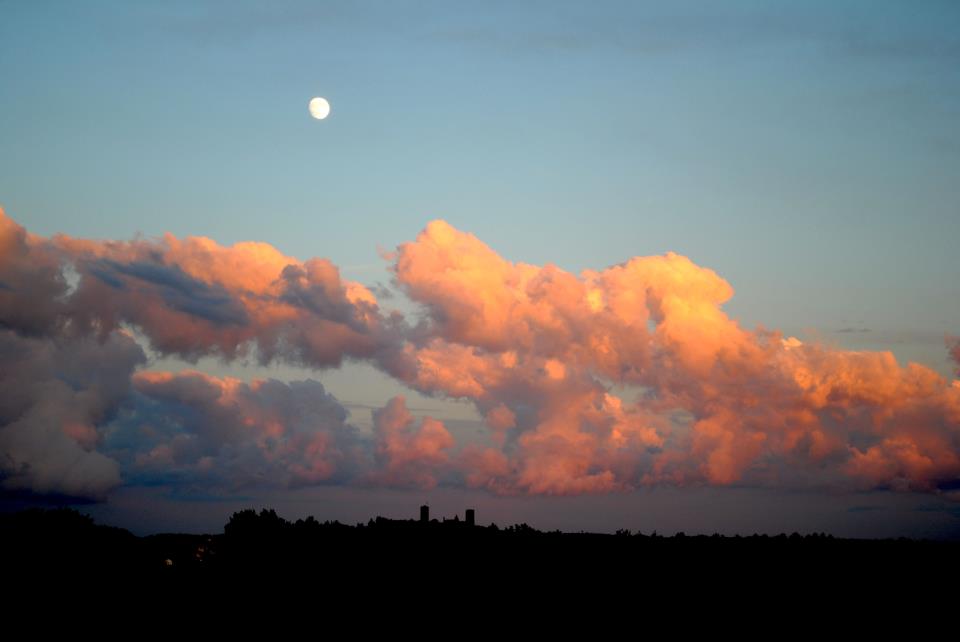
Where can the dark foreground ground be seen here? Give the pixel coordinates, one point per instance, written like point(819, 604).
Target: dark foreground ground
point(394, 557)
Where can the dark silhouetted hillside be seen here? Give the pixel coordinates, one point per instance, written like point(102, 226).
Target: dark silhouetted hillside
point(395, 552)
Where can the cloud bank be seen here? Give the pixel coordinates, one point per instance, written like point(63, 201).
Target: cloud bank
point(595, 382)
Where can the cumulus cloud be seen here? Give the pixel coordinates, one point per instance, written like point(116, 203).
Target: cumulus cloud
point(63, 305)
point(953, 344)
point(32, 283)
point(539, 350)
point(601, 381)
point(409, 453)
point(56, 395)
point(192, 297)
point(208, 433)
point(205, 432)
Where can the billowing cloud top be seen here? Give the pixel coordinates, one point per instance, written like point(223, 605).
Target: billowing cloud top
point(593, 382)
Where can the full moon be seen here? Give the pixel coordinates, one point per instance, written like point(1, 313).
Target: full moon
point(319, 108)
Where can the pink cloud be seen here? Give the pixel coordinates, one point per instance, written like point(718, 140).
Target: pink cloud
point(539, 350)
point(409, 454)
point(602, 381)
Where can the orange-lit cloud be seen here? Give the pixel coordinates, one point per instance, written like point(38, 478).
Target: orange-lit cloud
point(538, 349)
point(595, 382)
point(193, 297)
point(408, 454)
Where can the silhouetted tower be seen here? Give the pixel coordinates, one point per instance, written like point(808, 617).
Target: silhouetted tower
point(470, 518)
point(424, 514)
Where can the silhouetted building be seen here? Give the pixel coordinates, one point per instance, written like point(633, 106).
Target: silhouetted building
point(424, 514)
point(470, 517)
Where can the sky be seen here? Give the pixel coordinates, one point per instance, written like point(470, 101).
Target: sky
point(474, 200)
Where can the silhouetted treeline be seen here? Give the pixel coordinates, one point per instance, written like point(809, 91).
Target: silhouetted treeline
point(264, 542)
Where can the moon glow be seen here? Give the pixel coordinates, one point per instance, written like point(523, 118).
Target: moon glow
point(319, 108)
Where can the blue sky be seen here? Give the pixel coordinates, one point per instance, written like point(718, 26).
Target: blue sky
point(807, 152)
